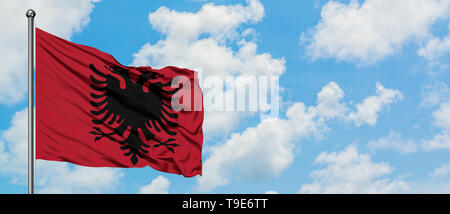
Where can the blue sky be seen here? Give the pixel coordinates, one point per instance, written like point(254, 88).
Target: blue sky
point(381, 125)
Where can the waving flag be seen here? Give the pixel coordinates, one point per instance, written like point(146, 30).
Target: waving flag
point(93, 111)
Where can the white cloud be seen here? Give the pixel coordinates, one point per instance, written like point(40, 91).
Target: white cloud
point(14, 147)
point(58, 177)
point(219, 21)
point(265, 150)
point(442, 171)
point(435, 186)
point(213, 41)
point(271, 192)
point(62, 18)
point(442, 116)
point(350, 172)
point(434, 93)
point(393, 141)
point(159, 185)
point(437, 182)
point(258, 152)
point(368, 110)
point(440, 140)
point(373, 29)
point(329, 105)
point(51, 177)
point(435, 48)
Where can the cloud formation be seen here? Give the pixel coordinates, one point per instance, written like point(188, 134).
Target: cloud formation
point(441, 172)
point(265, 150)
point(435, 48)
point(440, 140)
point(369, 31)
point(393, 141)
point(159, 185)
point(348, 171)
point(434, 93)
point(367, 111)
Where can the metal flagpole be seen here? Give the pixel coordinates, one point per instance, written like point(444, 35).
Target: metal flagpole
point(30, 15)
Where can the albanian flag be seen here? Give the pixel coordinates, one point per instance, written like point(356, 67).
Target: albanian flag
point(93, 111)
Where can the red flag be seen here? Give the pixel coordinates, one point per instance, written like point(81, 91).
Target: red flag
point(93, 111)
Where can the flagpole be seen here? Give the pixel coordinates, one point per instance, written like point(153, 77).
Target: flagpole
point(30, 15)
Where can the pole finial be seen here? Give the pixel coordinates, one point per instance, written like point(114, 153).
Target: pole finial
point(30, 13)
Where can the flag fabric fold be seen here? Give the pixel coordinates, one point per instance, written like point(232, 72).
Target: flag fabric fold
point(93, 111)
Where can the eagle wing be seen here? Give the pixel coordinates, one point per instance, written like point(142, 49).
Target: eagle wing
point(106, 92)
